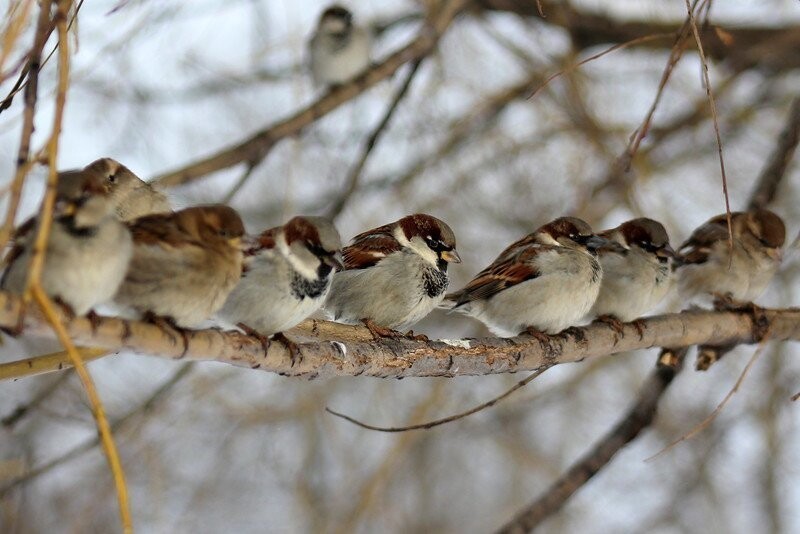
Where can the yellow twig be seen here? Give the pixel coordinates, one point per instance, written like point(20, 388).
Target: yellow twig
point(47, 363)
point(34, 289)
point(97, 406)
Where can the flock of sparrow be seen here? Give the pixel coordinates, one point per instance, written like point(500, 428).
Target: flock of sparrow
point(116, 238)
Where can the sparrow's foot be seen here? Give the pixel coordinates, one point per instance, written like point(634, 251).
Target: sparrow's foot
point(66, 308)
point(379, 331)
point(94, 320)
point(728, 303)
point(616, 325)
point(640, 325)
point(17, 329)
point(668, 358)
point(417, 337)
point(291, 346)
point(540, 336)
point(708, 355)
point(252, 332)
point(168, 326)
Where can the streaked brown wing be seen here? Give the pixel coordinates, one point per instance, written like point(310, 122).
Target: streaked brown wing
point(697, 248)
point(369, 248)
point(507, 271)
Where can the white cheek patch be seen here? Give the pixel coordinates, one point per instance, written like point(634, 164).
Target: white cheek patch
point(308, 271)
point(547, 239)
point(417, 244)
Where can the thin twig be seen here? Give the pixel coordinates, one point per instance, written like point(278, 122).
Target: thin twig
point(251, 166)
point(98, 412)
point(713, 415)
point(149, 403)
point(43, 28)
point(778, 162)
point(46, 363)
point(22, 410)
point(355, 172)
point(713, 105)
point(638, 417)
point(444, 420)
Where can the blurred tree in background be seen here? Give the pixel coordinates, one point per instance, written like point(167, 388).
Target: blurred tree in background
point(201, 97)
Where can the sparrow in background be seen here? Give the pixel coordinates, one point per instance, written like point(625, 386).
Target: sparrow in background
point(707, 265)
point(545, 282)
point(286, 276)
point(637, 274)
point(394, 275)
point(130, 196)
point(338, 50)
point(88, 249)
point(184, 263)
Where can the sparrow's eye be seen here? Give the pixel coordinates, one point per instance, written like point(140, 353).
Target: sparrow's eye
point(573, 236)
point(764, 242)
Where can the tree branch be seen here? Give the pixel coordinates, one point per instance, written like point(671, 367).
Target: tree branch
point(763, 47)
point(778, 162)
point(639, 417)
point(257, 146)
point(328, 349)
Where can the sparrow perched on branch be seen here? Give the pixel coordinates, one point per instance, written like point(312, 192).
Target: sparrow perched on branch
point(339, 50)
point(184, 263)
point(130, 196)
point(394, 275)
point(636, 275)
point(88, 249)
point(545, 282)
point(287, 275)
point(708, 266)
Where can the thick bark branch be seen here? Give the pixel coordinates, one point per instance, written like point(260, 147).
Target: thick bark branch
point(765, 48)
point(328, 349)
point(256, 147)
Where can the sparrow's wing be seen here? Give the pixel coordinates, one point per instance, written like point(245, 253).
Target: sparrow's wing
point(18, 247)
point(264, 241)
point(508, 270)
point(697, 248)
point(369, 248)
point(159, 229)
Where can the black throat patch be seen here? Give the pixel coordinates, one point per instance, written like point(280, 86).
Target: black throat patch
point(305, 288)
point(434, 281)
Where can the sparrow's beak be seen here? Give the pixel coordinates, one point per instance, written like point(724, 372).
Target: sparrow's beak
point(665, 252)
point(451, 256)
point(595, 243)
point(236, 242)
point(335, 261)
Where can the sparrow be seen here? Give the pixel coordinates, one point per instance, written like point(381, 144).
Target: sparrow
point(184, 264)
point(130, 196)
point(394, 275)
point(338, 50)
point(637, 274)
point(286, 276)
point(543, 283)
point(88, 249)
point(706, 265)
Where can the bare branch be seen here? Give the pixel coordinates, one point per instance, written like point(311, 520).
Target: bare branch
point(352, 352)
point(257, 146)
point(351, 184)
point(778, 162)
point(639, 417)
